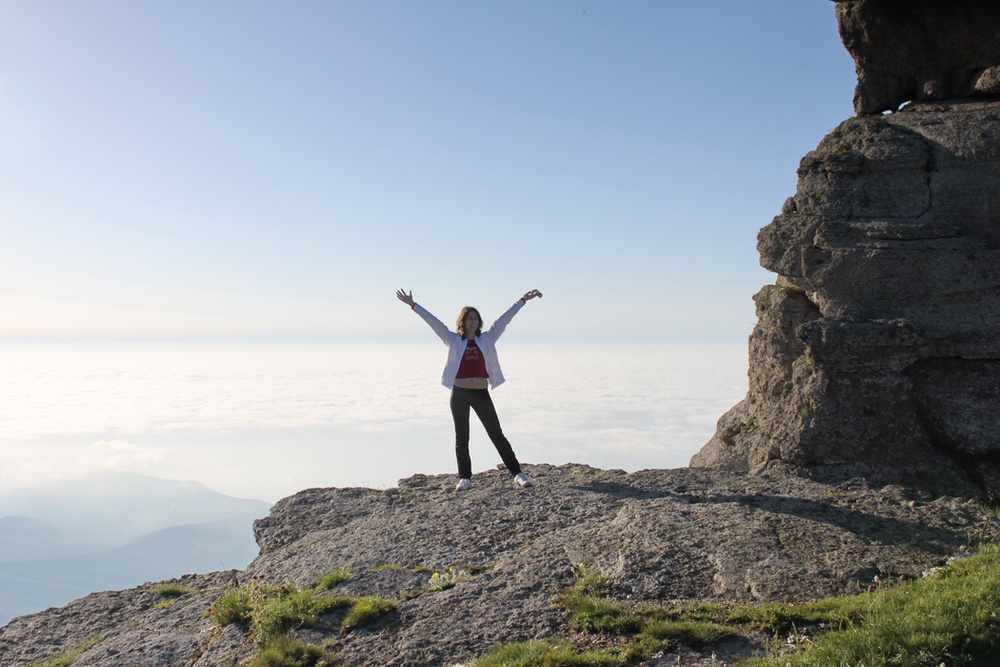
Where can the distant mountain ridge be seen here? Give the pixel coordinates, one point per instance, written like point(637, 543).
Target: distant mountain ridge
point(63, 540)
point(124, 505)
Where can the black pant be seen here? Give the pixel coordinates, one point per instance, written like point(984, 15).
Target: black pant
point(480, 401)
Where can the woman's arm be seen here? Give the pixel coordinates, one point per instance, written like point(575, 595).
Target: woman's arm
point(437, 325)
point(501, 324)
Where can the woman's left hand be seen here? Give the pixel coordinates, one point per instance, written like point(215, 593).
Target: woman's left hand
point(531, 295)
point(405, 298)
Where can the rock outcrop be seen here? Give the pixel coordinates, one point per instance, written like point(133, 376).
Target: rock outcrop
point(877, 350)
point(909, 50)
point(659, 536)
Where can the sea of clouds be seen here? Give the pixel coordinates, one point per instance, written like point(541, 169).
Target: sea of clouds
point(267, 419)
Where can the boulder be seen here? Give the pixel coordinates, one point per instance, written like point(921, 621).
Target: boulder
point(920, 50)
point(877, 350)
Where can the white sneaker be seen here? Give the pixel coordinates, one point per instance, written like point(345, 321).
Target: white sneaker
point(464, 484)
point(522, 479)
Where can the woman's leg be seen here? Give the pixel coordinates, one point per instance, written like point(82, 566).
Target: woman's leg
point(460, 413)
point(482, 403)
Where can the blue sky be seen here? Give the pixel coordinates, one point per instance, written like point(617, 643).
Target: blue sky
point(231, 168)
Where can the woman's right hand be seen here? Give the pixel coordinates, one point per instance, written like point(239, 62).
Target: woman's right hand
point(531, 295)
point(405, 298)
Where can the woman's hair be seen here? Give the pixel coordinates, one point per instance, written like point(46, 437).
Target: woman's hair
point(461, 320)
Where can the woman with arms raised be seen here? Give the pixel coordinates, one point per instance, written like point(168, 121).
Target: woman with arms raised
point(472, 368)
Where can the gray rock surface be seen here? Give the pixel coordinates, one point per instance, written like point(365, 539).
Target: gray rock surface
point(877, 350)
point(659, 535)
point(909, 50)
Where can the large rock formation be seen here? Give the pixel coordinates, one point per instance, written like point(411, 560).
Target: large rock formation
point(920, 50)
point(659, 536)
point(877, 350)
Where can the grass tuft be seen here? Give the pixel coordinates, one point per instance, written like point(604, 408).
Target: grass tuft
point(287, 651)
point(366, 610)
point(333, 578)
point(781, 617)
point(591, 612)
point(687, 633)
point(291, 610)
point(173, 591)
point(69, 656)
point(270, 611)
point(544, 653)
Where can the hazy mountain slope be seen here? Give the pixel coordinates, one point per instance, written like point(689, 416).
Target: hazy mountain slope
point(112, 508)
point(115, 530)
point(22, 538)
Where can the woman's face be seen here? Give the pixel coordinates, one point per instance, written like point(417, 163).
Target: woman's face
point(470, 324)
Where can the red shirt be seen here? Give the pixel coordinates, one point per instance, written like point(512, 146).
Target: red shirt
point(473, 363)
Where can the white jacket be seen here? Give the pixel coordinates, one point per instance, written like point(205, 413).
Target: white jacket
point(456, 344)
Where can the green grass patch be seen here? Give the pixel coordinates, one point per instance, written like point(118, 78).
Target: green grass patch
point(601, 615)
point(686, 633)
point(544, 653)
point(952, 618)
point(291, 610)
point(645, 631)
point(270, 611)
point(69, 656)
point(235, 606)
point(366, 610)
point(333, 578)
point(590, 611)
point(287, 651)
point(780, 617)
point(173, 591)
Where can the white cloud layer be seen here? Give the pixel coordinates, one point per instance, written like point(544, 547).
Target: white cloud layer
point(268, 420)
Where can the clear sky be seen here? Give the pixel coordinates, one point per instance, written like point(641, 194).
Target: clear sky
point(247, 167)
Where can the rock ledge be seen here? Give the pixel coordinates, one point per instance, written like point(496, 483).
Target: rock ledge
point(658, 535)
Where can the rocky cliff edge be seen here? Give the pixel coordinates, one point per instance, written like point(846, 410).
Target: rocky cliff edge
point(656, 535)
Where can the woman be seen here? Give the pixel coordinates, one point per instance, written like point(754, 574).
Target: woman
point(472, 368)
